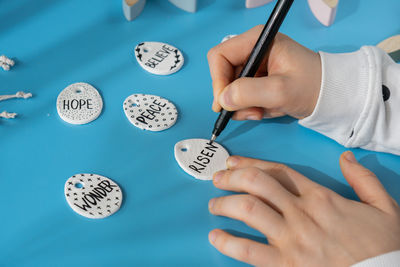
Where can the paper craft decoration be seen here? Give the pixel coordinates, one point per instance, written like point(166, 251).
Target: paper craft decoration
point(324, 10)
point(79, 103)
point(92, 195)
point(132, 8)
point(228, 37)
point(200, 158)
point(6, 62)
point(7, 115)
point(256, 3)
point(150, 112)
point(187, 5)
point(391, 46)
point(159, 58)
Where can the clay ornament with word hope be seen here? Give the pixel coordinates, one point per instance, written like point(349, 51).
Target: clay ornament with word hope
point(159, 58)
point(79, 103)
point(150, 112)
point(200, 158)
point(92, 195)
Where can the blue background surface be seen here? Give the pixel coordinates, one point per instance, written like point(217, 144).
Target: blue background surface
point(164, 219)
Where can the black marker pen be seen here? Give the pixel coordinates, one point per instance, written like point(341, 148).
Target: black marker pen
point(263, 44)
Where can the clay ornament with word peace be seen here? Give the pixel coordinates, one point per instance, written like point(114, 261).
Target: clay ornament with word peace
point(150, 112)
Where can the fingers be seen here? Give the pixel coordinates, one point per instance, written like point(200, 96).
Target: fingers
point(225, 57)
point(293, 181)
point(256, 182)
point(365, 183)
point(250, 210)
point(245, 250)
point(266, 92)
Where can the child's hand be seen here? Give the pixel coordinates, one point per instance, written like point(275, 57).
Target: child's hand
point(291, 88)
point(306, 224)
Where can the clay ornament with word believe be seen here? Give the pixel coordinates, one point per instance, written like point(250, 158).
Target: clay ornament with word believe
point(92, 195)
point(79, 103)
point(150, 112)
point(200, 158)
point(159, 58)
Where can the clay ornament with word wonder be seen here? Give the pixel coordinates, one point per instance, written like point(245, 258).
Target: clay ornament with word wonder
point(92, 195)
point(200, 158)
point(150, 112)
point(159, 58)
point(79, 103)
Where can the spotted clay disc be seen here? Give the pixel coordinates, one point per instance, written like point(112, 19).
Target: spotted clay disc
point(79, 103)
point(199, 158)
point(159, 58)
point(92, 195)
point(150, 112)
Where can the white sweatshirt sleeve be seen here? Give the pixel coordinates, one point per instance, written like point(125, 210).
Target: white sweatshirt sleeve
point(359, 101)
point(391, 259)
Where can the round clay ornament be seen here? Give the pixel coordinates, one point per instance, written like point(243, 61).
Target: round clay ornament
point(159, 58)
point(79, 103)
point(150, 112)
point(228, 37)
point(92, 195)
point(200, 158)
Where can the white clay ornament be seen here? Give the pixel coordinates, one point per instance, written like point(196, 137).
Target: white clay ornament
point(92, 195)
point(79, 103)
point(150, 112)
point(200, 158)
point(159, 58)
point(256, 3)
point(228, 37)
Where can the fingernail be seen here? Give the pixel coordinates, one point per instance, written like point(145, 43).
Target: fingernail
point(213, 237)
point(225, 98)
point(211, 203)
point(350, 157)
point(252, 118)
point(232, 162)
point(218, 176)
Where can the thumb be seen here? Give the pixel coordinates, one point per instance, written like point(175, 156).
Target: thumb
point(266, 92)
point(364, 182)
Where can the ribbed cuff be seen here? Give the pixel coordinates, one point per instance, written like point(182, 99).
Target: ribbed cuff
point(343, 94)
point(391, 259)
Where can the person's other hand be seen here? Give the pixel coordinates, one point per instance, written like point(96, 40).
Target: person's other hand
point(291, 87)
point(306, 224)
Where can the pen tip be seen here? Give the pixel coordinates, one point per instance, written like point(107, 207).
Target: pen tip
point(213, 137)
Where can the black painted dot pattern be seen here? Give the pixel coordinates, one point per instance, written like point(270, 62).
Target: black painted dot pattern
point(385, 93)
point(92, 195)
point(79, 103)
point(150, 112)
